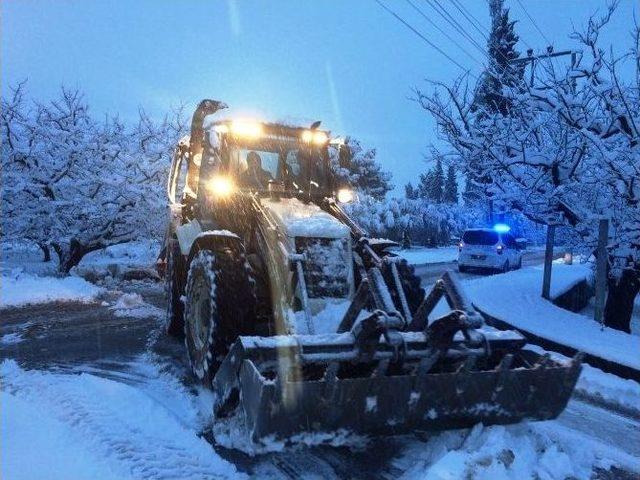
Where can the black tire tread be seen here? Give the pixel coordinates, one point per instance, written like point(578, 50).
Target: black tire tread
point(232, 309)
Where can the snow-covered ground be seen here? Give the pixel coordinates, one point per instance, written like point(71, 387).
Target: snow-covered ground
point(140, 420)
point(425, 255)
point(144, 423)
point(18, 288)
point(28, 258)
point(86, 426)
point(515, 298)
point(26, 279)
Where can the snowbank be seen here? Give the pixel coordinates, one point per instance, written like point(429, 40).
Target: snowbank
point(542, 450)
point(424, 255)
point(132, 305)
point(515, 298)
point(26, 428)
point(83, 426)
point(19, 288)
point(141, 253)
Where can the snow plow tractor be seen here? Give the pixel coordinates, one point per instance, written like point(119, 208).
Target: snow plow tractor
point(300, 322)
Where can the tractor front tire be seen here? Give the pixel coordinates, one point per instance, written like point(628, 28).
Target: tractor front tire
point(220, 306)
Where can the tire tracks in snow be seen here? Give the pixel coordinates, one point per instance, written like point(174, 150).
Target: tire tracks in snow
point(136, 433)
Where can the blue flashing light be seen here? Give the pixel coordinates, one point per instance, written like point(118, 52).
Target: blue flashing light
point(501, 227)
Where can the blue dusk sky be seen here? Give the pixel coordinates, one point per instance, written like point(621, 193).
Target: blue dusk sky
point(348, 63)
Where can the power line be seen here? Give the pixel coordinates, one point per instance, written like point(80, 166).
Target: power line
point(437, 27)
point(534, 22)
point(440, 10)
point(434, 46)
point(473, 21)
point(476, 23)
point(448, 18)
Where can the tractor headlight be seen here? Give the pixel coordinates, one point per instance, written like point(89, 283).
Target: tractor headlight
point(315, 136)
point(246, 129)
point(345, 195)
point(221, 186)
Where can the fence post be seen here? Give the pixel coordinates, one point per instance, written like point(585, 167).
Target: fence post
point(548, 261)
point(601, 270)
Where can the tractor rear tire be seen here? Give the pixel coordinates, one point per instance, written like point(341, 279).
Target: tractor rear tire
point(220, 306)
point(175, 288)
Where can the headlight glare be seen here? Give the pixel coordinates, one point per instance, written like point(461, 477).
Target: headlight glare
point(221, 186)
point(345, 195)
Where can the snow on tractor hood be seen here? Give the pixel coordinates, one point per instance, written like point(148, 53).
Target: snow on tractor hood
point(299, 219)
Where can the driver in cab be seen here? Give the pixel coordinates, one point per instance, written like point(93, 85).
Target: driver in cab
point(255, 176)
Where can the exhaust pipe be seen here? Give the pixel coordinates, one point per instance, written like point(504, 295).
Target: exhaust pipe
point(205, 108)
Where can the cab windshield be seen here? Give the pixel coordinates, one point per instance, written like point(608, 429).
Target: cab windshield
point(301, 168)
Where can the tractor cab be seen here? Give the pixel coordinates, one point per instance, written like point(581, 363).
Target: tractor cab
point(264, 158)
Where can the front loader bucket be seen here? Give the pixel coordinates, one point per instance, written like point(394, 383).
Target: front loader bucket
point(323, 391)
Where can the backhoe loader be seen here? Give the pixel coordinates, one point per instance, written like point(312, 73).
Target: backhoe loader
point(300, 322)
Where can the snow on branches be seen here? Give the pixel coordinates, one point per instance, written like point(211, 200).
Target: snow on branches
point(362, 172)
point(567, 151)
point(76, 184)
point(426, 222)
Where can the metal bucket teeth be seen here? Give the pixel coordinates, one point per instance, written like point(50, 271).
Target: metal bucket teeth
point(287, 398)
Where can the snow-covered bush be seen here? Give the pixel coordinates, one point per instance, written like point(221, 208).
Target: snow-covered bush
point(425, 222)
point(363, 172)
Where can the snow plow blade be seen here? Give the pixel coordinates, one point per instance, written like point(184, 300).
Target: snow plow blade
point(294, 384)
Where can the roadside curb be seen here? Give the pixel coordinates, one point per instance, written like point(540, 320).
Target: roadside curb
point(422, 265)
point(603, 364)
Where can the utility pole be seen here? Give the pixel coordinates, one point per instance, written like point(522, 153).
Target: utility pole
point(532, 59)
point(548, 262)
point(601, 270)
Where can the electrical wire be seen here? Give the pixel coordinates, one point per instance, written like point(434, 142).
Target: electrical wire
point(471, 19)
point(437, 27)
point(440, 10)
point(425, 39)
point(534, 22)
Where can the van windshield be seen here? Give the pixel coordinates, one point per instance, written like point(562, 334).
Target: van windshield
point(480, 237)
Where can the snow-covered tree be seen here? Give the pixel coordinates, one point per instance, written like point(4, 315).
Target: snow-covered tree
point(410, 191)
point(364, 173)
point(566, 153)
point(436, 189)
point(450, 192)
point(500, 71)
point(76, 184)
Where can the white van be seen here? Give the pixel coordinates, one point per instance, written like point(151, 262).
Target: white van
point(491, 249)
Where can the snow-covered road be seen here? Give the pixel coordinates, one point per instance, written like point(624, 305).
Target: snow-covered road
point(101, 393)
